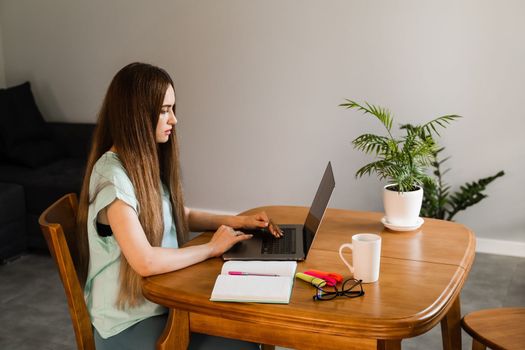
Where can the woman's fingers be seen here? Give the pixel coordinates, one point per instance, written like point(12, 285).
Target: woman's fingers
point(265, 221)
point(275, 230)
point(243, 236)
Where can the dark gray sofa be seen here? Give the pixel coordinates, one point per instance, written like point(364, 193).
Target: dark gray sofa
point(47, 163)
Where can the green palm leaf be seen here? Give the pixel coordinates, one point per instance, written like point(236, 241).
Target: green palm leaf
point(370, 143)
point(380, 113)
point(431, 126)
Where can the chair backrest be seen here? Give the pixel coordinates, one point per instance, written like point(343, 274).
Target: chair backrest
point(58, 224)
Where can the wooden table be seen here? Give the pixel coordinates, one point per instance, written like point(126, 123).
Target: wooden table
point(421, 276)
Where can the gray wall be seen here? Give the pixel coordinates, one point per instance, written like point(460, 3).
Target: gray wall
point(259, 82)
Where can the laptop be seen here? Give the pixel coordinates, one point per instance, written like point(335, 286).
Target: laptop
point(297, 239)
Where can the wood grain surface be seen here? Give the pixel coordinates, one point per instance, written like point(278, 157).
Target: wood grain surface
point(502, 328)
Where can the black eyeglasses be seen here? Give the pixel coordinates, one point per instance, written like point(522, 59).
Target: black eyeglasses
point(351, 288)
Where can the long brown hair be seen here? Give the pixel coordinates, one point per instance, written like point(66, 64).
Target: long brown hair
point(127, 120)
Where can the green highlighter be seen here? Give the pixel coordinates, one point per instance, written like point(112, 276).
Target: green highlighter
point(318, 282)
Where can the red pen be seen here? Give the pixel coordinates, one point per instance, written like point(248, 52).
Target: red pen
point(241, 273)
point(329, 280)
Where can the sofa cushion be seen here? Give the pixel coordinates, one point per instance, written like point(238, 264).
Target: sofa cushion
point(12, 221)
point(25, 138)
point(44, 185)
point(74, 138)
point(12, 204)
point(35, 153)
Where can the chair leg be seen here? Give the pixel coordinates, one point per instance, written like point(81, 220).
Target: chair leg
point(476, 345)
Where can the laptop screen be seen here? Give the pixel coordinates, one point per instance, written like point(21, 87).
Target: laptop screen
point(321, 199)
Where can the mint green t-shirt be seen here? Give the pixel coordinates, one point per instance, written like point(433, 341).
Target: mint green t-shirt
point(109, 181)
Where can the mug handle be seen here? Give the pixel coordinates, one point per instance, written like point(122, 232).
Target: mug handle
point(343, 246)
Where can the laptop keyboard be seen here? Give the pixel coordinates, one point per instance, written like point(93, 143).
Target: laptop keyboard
point(283, 245)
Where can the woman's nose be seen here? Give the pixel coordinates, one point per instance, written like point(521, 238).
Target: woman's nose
point(173, 119)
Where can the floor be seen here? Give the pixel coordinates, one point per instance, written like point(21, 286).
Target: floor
point(34, 315)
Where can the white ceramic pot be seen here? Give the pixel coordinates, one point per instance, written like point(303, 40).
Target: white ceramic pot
point(402, 208)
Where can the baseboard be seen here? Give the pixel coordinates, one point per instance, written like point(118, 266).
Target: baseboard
point(484, 245)
point(499, 247)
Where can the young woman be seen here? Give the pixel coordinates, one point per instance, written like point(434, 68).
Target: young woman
point(132, 218)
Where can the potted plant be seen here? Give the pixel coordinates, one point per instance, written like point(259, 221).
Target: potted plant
point(402, 161)
point(440, 203)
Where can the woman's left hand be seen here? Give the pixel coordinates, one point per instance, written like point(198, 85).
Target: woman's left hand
point(258, 221)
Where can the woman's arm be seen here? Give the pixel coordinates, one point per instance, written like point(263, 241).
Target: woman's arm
point(147, 260)
point(201, 221)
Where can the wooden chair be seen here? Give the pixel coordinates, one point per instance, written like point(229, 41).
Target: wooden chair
point(58, 224)
point(498, 329)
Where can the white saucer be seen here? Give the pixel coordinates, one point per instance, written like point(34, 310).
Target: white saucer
point(393, 227)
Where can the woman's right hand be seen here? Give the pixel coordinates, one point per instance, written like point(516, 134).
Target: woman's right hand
point(224, 238)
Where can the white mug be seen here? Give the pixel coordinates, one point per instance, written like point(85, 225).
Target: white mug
point(366, 255)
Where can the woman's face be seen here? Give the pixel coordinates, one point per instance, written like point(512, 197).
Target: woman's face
point(167, 119)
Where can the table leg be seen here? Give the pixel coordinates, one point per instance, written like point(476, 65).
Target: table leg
point(391, 344)
point(267, 347)
point(176, 334)
point(476, 345)
point(451, 327)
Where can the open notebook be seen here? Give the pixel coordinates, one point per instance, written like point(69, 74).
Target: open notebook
point(248, 282)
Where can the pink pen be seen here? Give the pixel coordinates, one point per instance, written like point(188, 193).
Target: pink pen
point(241, 273)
